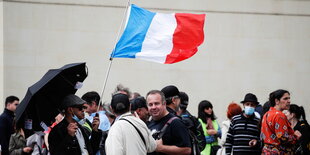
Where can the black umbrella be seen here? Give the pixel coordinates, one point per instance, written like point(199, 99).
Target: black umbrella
point(43, 99)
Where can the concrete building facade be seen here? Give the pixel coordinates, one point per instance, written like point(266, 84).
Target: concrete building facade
point(250, 46)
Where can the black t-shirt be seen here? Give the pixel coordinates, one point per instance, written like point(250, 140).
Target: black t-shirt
point(176, 133)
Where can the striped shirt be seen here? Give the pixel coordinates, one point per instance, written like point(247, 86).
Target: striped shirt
point(241, 131)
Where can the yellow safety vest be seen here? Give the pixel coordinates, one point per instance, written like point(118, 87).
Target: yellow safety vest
point(207, 150)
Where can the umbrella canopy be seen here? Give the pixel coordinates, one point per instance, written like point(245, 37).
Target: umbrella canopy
point(42, 101)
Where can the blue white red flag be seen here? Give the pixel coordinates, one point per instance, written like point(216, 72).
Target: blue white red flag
point(159, 37)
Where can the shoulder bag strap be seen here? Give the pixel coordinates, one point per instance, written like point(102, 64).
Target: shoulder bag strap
point(139, 132)
point(163, 130)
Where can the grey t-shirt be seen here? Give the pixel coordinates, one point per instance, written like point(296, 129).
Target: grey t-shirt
point(81, 141)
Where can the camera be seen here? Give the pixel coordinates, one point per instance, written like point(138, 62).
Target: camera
point(157, 135)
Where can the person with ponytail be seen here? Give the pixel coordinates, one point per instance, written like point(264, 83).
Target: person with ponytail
point(210, 126)
point(276, 131)
point(297, 117)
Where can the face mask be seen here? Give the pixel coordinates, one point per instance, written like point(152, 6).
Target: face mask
point(80, 121)
point(249, 110)
point(76, 118)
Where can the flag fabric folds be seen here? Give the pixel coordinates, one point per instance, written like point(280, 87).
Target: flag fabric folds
point(159, 37)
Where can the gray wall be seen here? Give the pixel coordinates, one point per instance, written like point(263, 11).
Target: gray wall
point(250, 46)
point(1, 54)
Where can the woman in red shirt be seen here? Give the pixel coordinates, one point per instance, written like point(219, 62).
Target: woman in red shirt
point(278, 136)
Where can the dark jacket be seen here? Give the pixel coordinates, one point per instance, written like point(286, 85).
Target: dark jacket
point(6, 129)
point(61, 143)
point(172, 111)
point(304, 141)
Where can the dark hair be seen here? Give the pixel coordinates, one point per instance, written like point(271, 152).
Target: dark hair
point(10, 99)
point(299, 111)
point(184, 100)
point(91, 96)
point(201, 113)
point(276, 95)
point(137, 103)
point(18, 125)
point(169, 100)
point(266, 107)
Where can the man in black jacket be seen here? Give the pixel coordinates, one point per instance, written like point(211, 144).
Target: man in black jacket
point(69, 137)
point(6, 123)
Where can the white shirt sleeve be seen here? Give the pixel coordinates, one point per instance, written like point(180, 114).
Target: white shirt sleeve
point(225, 127)
point(152, 143)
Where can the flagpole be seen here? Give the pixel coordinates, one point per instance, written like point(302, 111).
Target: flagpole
point(111, 59)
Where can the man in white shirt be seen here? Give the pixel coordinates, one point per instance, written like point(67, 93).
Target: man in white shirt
point(128, 135)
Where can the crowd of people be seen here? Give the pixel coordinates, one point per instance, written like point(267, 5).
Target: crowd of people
point(160, 124)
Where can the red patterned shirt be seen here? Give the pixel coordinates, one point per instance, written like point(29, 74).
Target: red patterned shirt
point(276, 130)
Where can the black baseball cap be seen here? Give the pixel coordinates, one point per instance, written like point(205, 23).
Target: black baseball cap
point(120, 98)
point(170, 91)
point(137, 103)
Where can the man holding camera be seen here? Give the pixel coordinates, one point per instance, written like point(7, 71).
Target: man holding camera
point(175, 138)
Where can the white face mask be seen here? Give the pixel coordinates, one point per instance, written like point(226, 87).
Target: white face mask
point(249, 110)
point(78, 85)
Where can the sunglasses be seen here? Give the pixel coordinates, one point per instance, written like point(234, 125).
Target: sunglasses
point(80, 107)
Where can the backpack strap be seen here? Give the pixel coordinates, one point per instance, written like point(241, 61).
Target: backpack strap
point(163, 130)
point(139, 132)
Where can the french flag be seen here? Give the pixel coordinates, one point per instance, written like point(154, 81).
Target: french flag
point(159, 37)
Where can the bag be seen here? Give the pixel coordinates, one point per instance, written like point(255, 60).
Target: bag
point(36, 141)
point(214, 149)
point(195, 145)
point(195, 131)
point(160, 134)
point(198, 140)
